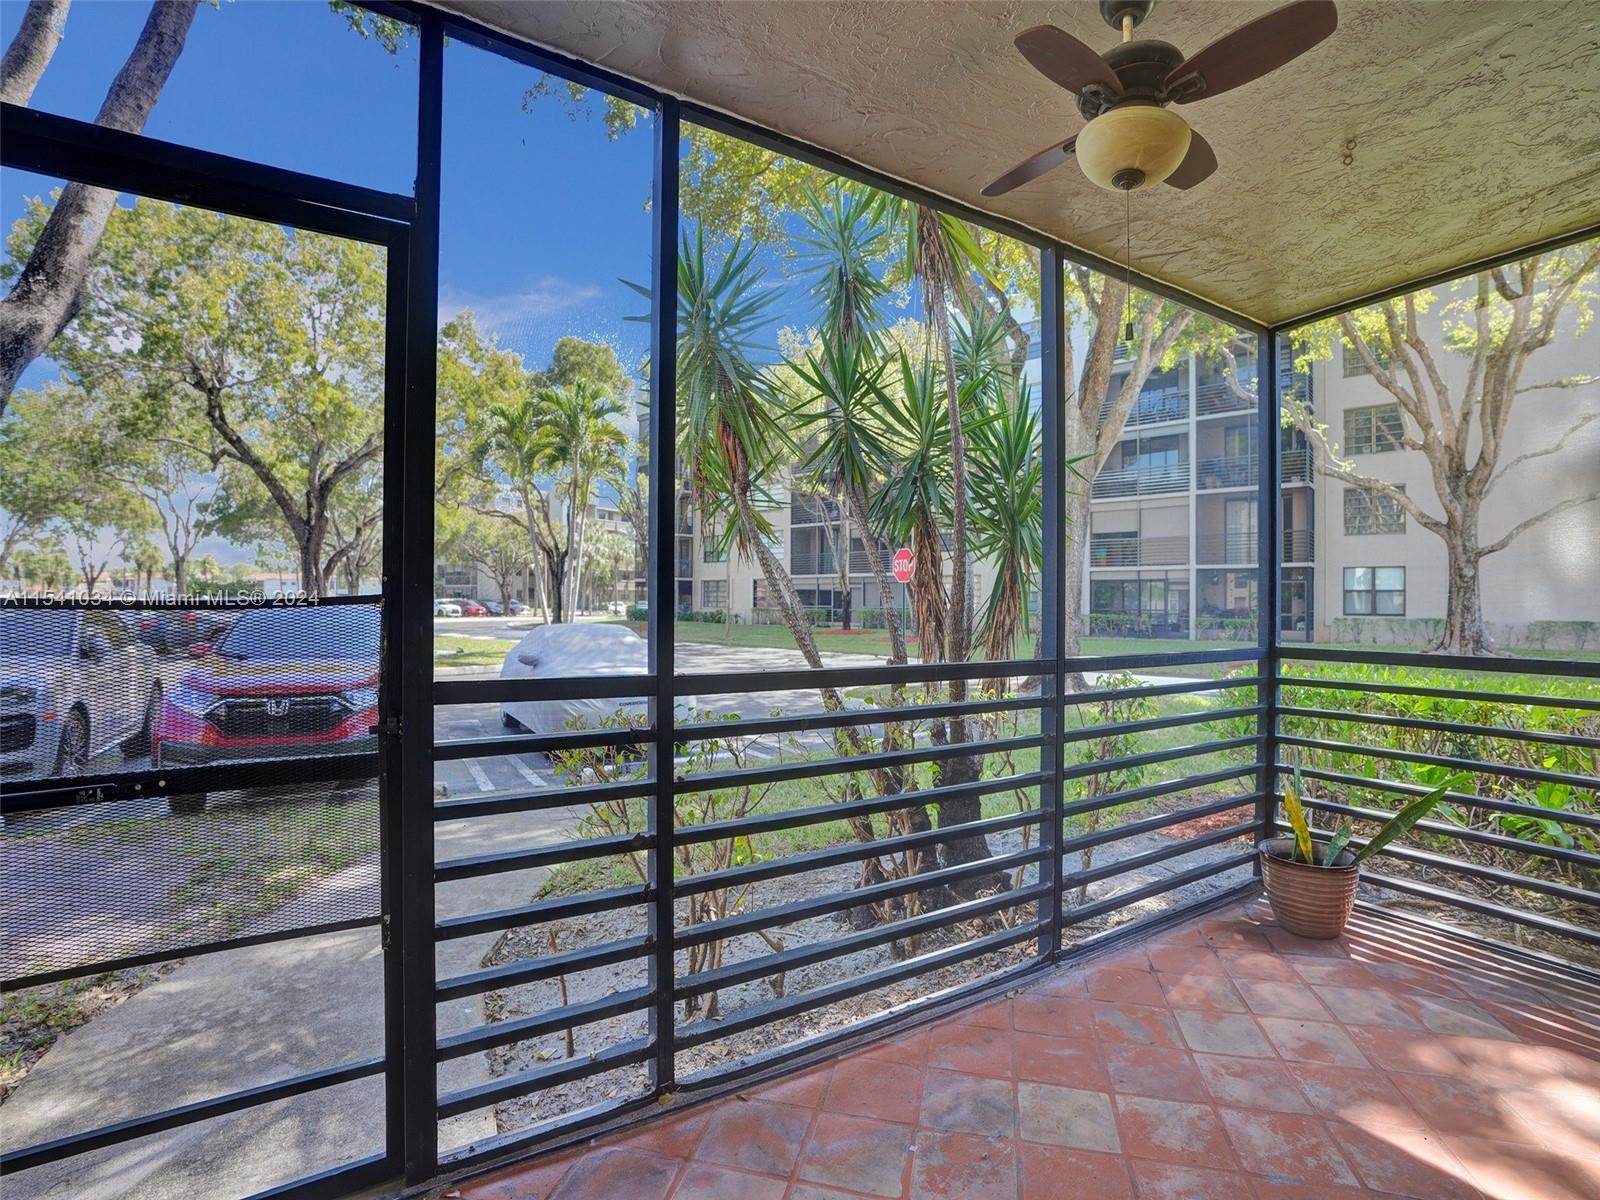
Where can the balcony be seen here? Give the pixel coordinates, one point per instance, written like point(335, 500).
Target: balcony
point(1108, 551)
point(1299, 545)
point(1295, 466)
point(1210, 399)
point(1154, 406)
point(1227, 549)
point(813, 510)
point(1141, 481)
point(1227, 471)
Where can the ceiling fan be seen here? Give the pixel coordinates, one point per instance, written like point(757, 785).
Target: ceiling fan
point(1132, 141)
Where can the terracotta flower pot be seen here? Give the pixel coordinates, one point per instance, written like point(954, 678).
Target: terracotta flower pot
point(1314, 902)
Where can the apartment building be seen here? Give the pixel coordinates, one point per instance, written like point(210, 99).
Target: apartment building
point(1172, 545)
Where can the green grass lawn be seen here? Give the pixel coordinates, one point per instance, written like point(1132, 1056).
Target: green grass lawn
point(449, 650)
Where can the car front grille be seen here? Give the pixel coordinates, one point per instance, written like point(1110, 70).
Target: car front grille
point(278, 716)
point(17, 731)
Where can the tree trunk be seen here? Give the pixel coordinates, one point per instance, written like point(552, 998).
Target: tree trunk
point(49, 291)
point(180, 573)
point(885, 581)
point(29, 53)
point(1464, 631)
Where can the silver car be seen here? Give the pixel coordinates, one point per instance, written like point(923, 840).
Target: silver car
point(74, 683)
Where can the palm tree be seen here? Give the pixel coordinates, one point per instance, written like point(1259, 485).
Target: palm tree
point(578, 442)
point(843, 246)
point(729, 434)
point(1007, 510)
point(506, 447)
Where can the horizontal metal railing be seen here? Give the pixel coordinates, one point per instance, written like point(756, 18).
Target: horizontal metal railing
point(1140, 481)
point(1226, 471)
point(1188, 749)
point(1107, 551)
point(1518, 840)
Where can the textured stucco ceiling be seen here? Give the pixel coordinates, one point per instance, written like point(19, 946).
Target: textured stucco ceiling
point(1475, 123)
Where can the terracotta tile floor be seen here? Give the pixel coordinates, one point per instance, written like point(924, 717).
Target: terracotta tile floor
point(1226, 1058)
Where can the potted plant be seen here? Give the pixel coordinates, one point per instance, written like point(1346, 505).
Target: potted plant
point(1310, 882)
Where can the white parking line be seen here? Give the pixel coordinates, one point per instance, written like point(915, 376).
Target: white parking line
point(530, 775)
point(479, 776)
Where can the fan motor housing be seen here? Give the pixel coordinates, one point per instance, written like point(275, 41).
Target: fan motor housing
point(1142, 67)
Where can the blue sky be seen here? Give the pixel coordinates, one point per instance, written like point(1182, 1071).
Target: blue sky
point(541, 212)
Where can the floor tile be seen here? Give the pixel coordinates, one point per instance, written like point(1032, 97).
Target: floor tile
point(1464, 1108)
point(1172, 1132)
point(1154, 1071)
point(1138, 1023)
point(857, 1153)
point(815, 1191)
point(1446, 1015)
point(1060, 1016)
point(1312, 1041)
point(863, 1088)
point(1269, 1189)
point(1365, 1006)
point(994, 1015)
point(617, 1171)
point(958, 1103)
point(1280, 998)
point(1223, 1033)
point(1285, 1147)
point(1285, 942)
point(1120, 986)
point(1234, 935)
point(1185, 960)
point(1512, 1172)
point(533, 1180)
point(805, 1088)
point(1168, 1181)
point(703, 1181)
point(971, 1048)
point(1399, 1050)
point(1052, 1172)
point(1251, 1083)
point(1070, 1062)
point(1071, 1117)
point(674, 1136)
point(961, 1166)
point(755, 1135)
point(1405, 1162)
point(911, 1049)
point(1359, 1095)
point(1335, 972)
point(1256, 964)
point(1211, 992)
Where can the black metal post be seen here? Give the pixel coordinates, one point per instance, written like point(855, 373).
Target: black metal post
point(663, 440)
point(1052, 579)
point(414, 862)
point(1269, 558)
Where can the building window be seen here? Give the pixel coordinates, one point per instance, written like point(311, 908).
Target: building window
point(1354, 364)
point(1367, 510)
point(1373, 429)
point(710, 552)
point(713, 593)
point(1374, 591)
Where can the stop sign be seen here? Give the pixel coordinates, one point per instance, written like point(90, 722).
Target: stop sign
point(904, 566)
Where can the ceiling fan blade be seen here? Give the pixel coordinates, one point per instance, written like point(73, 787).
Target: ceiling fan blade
point(1196, 166)
point(1031, 168)
point(1060, 57)
point(1253, 49)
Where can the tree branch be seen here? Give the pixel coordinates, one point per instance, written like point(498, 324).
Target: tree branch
point(1519, 529)
point(30, 50)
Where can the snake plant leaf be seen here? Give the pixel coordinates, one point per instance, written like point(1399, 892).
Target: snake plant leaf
point(1297, 822)
point(1336, 844)
point(1408, 816)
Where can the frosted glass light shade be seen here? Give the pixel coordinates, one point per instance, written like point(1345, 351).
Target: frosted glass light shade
point(1135, 137)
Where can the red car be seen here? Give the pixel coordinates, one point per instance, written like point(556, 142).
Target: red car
point(281, 682)
point(471, 608)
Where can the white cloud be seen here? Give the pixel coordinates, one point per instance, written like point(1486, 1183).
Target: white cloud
point(510, 311)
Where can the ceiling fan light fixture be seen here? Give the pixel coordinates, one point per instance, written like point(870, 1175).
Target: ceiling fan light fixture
point(1132, 147)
